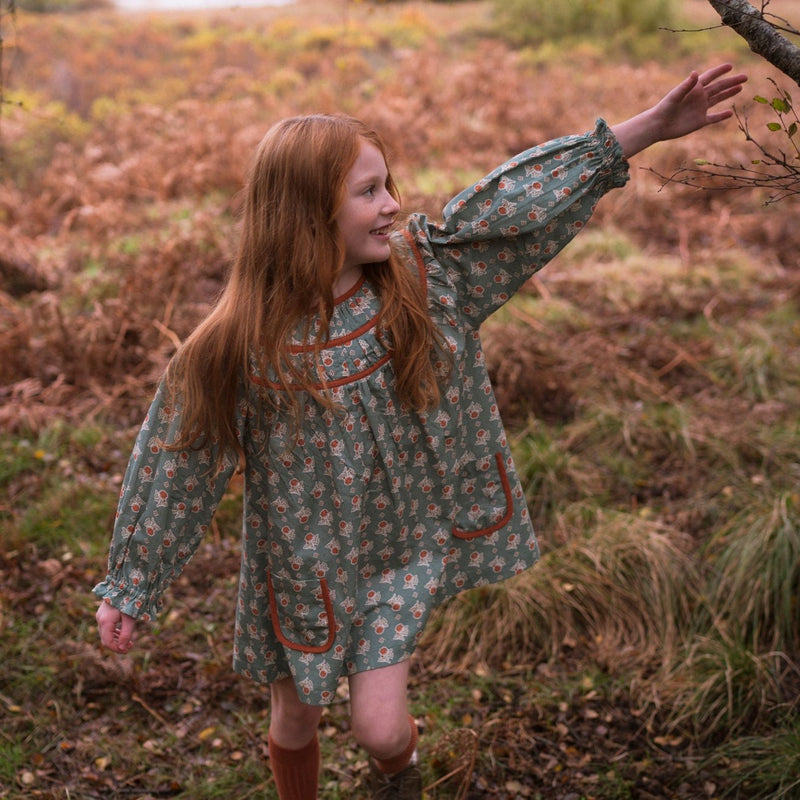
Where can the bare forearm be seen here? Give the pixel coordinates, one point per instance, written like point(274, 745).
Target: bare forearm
point(637, 133)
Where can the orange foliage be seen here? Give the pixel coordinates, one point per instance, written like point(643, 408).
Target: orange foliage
point(128, 225)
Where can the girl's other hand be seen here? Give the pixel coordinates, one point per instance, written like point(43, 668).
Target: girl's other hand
point(116, 629)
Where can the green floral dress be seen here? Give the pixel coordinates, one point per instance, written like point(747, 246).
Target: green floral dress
point(355, 532)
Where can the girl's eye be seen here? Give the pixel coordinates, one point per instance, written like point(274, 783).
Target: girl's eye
point(370, 191)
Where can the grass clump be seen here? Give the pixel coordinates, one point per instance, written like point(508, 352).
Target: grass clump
point(764, 766)
point(617, 582)
point(553, 476)
point(62, 520)
point(755, 581)
point(723, 688)
point(19, 457)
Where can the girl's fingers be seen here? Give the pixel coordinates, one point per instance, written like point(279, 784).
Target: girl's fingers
point(680, 92)
point(719, 116)
point(107, 619)
point(718, 97)
point(125, 633)
point(710, 75)
point(728, 86)
point(116, 629)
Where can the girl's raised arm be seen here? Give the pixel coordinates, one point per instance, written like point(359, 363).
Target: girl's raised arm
point(684, 109)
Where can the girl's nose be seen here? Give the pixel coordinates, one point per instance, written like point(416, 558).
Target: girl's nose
point(390, 205)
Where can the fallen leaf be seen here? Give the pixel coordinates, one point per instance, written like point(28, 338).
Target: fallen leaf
point(206, 733)
point(27, 778)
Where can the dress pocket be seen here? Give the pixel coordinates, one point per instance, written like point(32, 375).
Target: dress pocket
point(485, 500)
point(302, 613)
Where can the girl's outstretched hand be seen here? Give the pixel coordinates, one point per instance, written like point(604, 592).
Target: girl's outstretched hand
point(687, 107)
point(116, 629)
point(684, 109)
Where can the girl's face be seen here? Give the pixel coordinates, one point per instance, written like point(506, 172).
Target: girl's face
point(366, 215)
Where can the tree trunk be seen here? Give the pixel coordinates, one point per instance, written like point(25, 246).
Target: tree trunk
point(763, 38)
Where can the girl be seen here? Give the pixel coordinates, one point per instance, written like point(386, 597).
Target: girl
point(342, 368)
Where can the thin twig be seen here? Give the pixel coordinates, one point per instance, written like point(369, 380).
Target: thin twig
point(150, 710)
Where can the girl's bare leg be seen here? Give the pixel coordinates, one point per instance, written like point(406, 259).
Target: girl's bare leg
point(293, 743)
point(379, 704)
point(292, 723)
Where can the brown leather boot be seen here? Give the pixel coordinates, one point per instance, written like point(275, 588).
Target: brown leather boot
point(403, 785)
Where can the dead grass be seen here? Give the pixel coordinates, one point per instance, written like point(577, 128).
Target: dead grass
point(620, 586)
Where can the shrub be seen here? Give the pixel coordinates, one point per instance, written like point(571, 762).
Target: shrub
point(63, 6)
point(537, 21)
point(38, 128)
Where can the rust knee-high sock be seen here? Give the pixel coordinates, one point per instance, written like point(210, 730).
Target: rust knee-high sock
point(390, 766)
point(296, 772)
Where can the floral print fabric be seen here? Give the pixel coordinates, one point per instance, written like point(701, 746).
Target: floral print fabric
point(355, 531)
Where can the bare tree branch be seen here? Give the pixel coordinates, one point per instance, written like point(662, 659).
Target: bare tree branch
point(761, 35)
point(773, 171)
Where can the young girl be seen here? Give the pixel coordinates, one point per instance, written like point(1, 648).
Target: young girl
point(342, 368)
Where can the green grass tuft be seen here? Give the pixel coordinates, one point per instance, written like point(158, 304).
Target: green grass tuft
point(755, 582)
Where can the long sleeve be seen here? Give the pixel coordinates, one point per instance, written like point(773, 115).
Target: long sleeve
point(498, 232)
point(165, 508)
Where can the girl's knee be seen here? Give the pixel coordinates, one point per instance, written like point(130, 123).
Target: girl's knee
point(380, 734)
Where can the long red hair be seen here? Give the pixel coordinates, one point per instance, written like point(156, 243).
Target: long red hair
point(282, 279)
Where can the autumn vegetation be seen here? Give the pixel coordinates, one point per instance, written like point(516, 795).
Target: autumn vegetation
point(650, 380)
